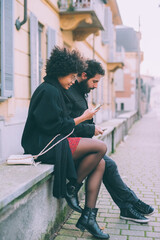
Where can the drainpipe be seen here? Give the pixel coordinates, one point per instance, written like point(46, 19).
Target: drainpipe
point(18, 23)
point(93, 46)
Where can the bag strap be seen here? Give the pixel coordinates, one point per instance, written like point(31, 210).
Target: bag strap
point(44, 150)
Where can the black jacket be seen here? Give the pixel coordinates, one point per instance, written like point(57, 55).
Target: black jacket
point(76, 104)
point(46, 118)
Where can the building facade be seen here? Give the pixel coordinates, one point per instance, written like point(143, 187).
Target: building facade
point(126, 80)
point(29, 31)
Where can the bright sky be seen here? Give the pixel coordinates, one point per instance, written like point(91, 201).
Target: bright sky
point(149, 13)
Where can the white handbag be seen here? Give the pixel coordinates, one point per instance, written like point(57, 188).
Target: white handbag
point(29, 159)
point(21, 159)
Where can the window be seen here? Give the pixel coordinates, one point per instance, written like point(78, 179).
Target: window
point(122, 106)
point(116, 107)
point(119, 80)
point(51, 40)
point(6, 48)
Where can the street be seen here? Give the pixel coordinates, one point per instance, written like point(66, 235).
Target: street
point(138, 160)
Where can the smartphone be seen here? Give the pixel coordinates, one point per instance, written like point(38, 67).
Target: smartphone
point(104, 128)
point(97, 107)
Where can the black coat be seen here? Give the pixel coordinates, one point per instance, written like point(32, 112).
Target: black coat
point(76, 104)
point(46, 118)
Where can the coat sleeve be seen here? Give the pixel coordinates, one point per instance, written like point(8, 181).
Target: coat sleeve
point(48, 114)
point(85, 130)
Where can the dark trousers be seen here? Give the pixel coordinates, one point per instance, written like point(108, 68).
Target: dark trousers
point(121, 194)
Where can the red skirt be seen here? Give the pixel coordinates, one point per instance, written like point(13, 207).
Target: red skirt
point(73, 143)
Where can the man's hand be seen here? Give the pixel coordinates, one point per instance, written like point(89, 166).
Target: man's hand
point(98, 130)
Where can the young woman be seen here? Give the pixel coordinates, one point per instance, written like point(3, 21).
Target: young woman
point(47, 117)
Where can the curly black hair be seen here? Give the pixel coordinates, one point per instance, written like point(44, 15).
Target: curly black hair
point(94, 67)
point(62, 62)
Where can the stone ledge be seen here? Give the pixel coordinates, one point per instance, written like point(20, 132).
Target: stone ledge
point(17, 179)
point(127, 115)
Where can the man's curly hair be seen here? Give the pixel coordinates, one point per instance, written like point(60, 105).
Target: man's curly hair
point(94, 67)
point(63, 62)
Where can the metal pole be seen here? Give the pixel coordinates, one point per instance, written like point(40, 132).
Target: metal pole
point(139, 76)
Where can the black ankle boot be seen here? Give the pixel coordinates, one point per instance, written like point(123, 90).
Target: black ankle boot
point(72, 196)
point(88, 221)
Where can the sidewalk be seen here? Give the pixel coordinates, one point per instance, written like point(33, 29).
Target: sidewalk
point(138, 160)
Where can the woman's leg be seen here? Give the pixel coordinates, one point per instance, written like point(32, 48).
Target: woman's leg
point(93, 184)
point(91, 166)
point(87, 156)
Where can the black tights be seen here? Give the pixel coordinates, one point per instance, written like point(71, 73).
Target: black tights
point(88, 159)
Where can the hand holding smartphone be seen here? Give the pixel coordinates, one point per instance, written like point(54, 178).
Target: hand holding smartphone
point(97, 107)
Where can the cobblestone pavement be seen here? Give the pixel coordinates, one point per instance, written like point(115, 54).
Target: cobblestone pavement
point(138, 160)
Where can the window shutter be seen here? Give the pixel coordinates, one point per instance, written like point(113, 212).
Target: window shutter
point(7, 27)
point(51, 40)
point(111, 43)
point(34, 52)
point(107, 25)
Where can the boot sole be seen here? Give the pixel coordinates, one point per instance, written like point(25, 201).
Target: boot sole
point(135, 220)
point(82, 228)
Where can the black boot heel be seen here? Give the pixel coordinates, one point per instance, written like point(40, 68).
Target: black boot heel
point(81, 227)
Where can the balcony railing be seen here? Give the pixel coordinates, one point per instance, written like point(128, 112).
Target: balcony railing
point(96, 7)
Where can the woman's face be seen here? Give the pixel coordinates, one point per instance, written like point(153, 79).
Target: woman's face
point(68, 80)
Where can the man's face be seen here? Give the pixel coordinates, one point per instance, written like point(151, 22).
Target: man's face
point(90, 84)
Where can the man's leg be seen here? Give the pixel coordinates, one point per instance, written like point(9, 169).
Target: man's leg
point(131, 208)
point(121, 194)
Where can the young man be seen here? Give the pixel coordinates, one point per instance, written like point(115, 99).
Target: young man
point(131, 207)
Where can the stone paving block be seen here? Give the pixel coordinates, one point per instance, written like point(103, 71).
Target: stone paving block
point(103, 206)
point(113, 231)
point(75, 216)
point(109, 215)
point(70, 226)
point(157, 229)
point(117, 211)
point(115, 220)
point(133, 233)
point(115, 237)
point(141, 227)
point(100, 219)
point(72, 233)
point(119, 226)
point(84, 238)
point(139, 238)
point(72, 221)
point(154, 224)
point(61, 237)
point(153, 234)
point(103, 210)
